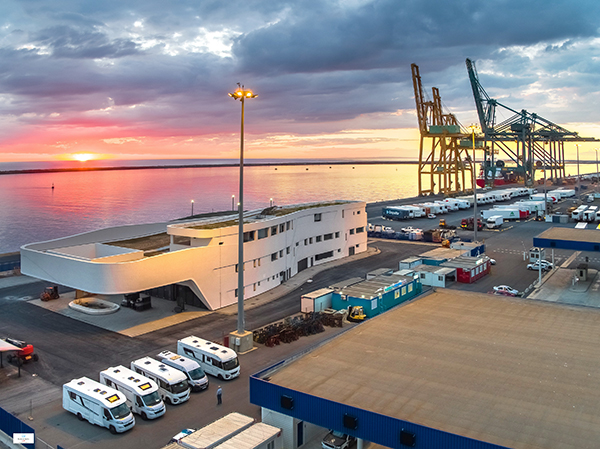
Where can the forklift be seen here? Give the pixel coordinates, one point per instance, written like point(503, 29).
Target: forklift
point(356, 314)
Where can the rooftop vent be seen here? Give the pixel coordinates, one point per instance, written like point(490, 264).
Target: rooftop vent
point(194, 341)
point(80, 383)
point(96, 390)
point(117, 371)
point(147, 362)
point(214, 348)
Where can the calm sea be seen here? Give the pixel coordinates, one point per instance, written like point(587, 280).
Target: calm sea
point(31, 211)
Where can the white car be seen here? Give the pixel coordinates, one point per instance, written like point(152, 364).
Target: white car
point(337, 440)
point(408, 229)
point(431, 215)
point(536, 265)
point(492, 261)
point(505, 290)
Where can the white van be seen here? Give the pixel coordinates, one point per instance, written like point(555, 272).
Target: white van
point(141, 393)
point(172, 383)
point(214, 359)
point(98, 403)
point(196, 377)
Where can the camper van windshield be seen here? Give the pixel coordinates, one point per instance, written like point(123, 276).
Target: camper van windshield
point(179, 387)
point(151, 399)
point(197, 374)
point(230, 364)
point(121, 411)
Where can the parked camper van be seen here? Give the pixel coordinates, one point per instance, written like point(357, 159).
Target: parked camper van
point(141, 393)
point(214, 359)
point(172, 383)
point(97, 403)
point(192, 369)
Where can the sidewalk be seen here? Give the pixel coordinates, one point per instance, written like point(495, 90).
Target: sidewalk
point(559, 286)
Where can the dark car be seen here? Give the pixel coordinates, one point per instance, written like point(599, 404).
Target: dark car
point(337, 440)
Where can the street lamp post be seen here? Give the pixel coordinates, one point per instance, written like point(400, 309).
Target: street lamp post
point(192, 208)
point(232, 202)
point(242, 339)
point(578, 182)
point(597, 172)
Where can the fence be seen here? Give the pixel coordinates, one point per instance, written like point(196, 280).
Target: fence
point(10, 424)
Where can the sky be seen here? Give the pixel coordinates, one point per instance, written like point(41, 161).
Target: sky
point(147, 79)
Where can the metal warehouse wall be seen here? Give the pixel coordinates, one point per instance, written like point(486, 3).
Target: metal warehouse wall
point(566, 244)
point(371, 427)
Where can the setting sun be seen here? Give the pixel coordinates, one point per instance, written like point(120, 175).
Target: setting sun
point(82, 157)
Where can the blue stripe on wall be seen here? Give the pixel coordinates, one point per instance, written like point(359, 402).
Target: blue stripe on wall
point(372, 426)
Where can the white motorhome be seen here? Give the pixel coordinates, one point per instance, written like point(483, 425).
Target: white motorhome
point(464, 203)
point(590, 213)
point(577, 214)
point(172, 383)
point(196, 376)
point(214, 359)
point(141, 393)
point(98, 404)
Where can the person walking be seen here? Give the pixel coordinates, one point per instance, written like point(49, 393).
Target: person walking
point(219, 395)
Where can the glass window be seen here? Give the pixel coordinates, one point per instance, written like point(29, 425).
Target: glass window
point(281, 253)
point(410, 288)
point(337, 235)
point(318, 238)
point(248, 236)
point(287, 250)
point(152, 399)
point(273, 230)
point(317, 217)
point(287, 225)
point(361, 229)
point(328, 237)
point(273, 257)
point(263, 233)
point(231, 364)
point(282, 227)
point(305, 242)
point(351, 231)
point(310, 240)
point(121, 411)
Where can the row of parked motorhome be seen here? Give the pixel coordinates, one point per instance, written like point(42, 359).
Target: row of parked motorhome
point(586, 213)
point(422, 210)
point(148, 383)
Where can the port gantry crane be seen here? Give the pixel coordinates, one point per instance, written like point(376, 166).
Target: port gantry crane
point(527, 139)
point(447, 164)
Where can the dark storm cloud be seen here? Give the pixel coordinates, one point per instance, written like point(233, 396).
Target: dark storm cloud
point(389, 33)
point(311, 61)
point(69, 42)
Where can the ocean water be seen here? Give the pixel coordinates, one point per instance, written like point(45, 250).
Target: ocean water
point(31, 211)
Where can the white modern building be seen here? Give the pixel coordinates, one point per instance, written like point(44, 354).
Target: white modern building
point(200, 256)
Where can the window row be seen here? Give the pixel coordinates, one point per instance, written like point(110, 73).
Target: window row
point(357, 230)
point(320, 238)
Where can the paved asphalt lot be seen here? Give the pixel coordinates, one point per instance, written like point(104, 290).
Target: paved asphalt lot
point(69, 348)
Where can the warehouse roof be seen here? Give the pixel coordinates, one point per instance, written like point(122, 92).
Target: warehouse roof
point(373, 287)
point(575, 235)
point(512, 372)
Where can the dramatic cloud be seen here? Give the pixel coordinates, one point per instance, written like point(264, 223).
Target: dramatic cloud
point(149, 77)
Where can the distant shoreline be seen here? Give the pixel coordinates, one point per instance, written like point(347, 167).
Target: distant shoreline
point(216, 165)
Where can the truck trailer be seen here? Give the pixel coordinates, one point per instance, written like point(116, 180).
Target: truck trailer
point(495, 221)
